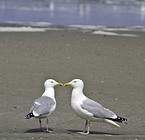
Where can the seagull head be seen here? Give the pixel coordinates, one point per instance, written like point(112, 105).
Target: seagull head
point(75, 83)
point(51, 83)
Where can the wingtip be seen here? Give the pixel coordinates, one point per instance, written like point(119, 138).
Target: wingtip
point(121, 119)
point(29, 116)
point(118, 119)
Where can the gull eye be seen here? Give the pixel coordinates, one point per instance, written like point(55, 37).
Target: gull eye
point(75, 81)
point(51, 81)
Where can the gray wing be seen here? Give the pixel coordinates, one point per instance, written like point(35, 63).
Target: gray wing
point(42, 105)
point(96, 109)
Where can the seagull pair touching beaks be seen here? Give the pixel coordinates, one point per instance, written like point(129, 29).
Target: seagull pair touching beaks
point(84, 107)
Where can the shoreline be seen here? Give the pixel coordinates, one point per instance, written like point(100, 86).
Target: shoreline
point(93, 29)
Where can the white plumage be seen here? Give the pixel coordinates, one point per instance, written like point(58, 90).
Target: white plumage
point(46, 104)
point(88, 109)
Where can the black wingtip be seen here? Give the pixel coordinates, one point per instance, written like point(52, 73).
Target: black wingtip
point(118, 119)
point(121, 119)
point(30, 115)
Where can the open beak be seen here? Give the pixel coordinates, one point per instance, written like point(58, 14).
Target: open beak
point(59, 84)
point(67, 84)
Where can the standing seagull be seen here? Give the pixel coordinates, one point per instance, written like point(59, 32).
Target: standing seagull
point(45, 105)
point(88, 109)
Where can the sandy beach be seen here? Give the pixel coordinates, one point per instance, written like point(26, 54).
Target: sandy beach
point(112, 67)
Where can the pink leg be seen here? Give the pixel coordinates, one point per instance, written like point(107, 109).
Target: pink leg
point(48, 131)
point(40, 125)
point(86, 125)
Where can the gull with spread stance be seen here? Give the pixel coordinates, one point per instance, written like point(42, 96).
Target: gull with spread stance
point(88, 109)
point(45, 105)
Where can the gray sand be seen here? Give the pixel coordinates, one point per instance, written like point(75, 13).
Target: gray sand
point(113, 69)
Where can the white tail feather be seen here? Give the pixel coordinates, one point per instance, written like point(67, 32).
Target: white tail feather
point(112, 122)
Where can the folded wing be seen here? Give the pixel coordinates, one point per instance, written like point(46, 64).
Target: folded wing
point(42, 106)
point(97, 109)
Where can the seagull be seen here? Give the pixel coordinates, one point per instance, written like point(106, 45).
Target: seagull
point(88, 109)
point(45, 105)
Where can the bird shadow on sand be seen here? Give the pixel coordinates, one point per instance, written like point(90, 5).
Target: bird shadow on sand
point(37, 130)
point(94, 132)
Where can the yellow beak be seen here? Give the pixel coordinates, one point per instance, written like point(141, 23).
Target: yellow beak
point(67, 84)
point(59, 84)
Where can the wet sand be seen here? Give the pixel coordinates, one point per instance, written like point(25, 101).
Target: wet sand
point(112, 67)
